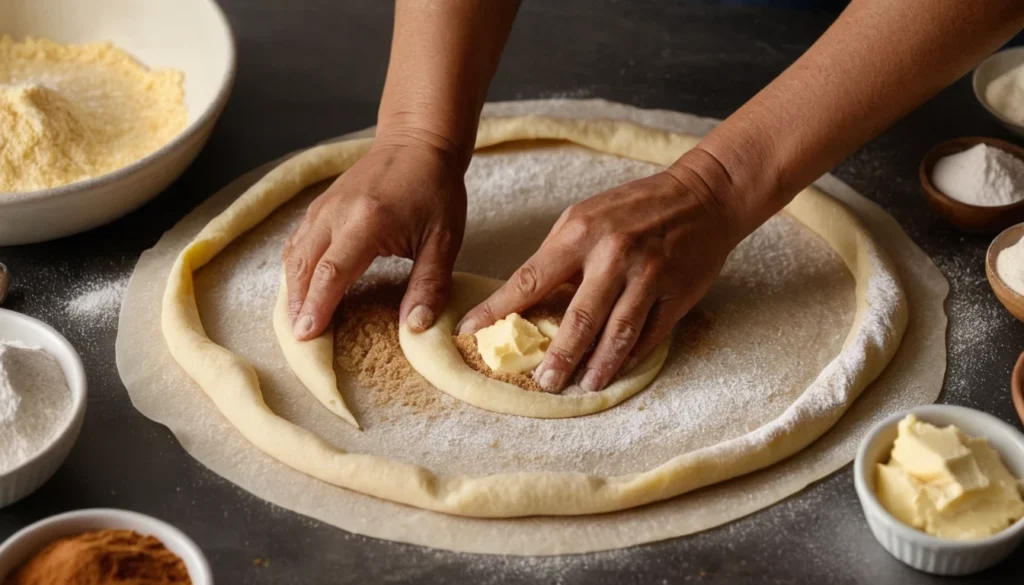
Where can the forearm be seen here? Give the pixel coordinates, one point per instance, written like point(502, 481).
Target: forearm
point(443, 56)
point(880, 60)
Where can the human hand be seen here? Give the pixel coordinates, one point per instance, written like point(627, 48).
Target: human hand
point(406, 197)
point(645, 252)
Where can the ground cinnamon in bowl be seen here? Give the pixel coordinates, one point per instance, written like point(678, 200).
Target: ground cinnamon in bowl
point(103, 557)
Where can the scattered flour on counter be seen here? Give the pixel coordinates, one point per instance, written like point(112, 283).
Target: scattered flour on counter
point(34, 402)
point(100, 301)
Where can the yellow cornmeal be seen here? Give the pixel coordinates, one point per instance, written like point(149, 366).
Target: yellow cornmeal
point(73, 112)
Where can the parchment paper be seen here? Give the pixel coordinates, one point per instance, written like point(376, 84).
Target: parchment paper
point(752, 338)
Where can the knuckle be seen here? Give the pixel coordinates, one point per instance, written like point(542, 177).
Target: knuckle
point(577, 228)
point(526, 281)
point(580, 322)
point(317, 206)
point(622, 332)
point(427, 284)
point(295, 266)
point(327, 270)
point(650, 268)
point(621, 243)
point(486, 312)
point(560, 358)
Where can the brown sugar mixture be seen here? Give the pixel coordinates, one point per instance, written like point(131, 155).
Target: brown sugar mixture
point(104, 557)
point(366, 346)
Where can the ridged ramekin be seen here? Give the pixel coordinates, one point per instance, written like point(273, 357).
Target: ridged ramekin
point(24, 479)
point(911, 546)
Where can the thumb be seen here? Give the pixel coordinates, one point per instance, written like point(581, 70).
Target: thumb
point(429, 284)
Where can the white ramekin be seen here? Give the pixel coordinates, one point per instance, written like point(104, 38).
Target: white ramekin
point(913, 547)
point(26, 478)
point(19, 548)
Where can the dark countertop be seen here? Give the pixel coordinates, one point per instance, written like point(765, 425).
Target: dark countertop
point(313, 69)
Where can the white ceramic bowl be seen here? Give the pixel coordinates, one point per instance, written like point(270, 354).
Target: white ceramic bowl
point(26, 478)
point(19, 548)
point(192, 36)
point(986, 72)
point(917, 549)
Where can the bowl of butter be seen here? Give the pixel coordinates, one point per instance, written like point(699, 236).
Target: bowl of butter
point(941, 488)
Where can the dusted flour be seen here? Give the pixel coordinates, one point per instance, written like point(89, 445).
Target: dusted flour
point(72, 112)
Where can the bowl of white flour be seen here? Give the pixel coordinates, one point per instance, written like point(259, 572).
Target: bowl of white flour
point(42, 403)
point(999, 86)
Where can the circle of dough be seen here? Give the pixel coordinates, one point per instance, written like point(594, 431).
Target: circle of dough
point(232, 384)
point(433, 354)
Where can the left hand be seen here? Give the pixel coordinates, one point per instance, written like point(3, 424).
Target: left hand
point(644, 253)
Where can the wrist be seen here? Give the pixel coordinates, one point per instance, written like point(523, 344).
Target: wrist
point(741, 188)
point(409, 130)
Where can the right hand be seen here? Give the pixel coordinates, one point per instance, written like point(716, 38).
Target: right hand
point(406, 197)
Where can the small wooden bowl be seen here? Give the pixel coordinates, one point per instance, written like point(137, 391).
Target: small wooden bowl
point(973, 219)
point(1013, 301)
point(1017, 387)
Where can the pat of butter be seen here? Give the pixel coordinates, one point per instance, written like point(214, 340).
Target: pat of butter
point(947, 484)
point(512, 345)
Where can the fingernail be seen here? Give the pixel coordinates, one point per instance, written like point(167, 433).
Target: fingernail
point(303, 325)
point(467, 326)
point(551, 380)
point(590, 381)
point(420, 318)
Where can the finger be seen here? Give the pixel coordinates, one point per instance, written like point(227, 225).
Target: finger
point(300, 230)
point(300, 256)
point(583, 320)
point(620, 335)
point(341, 265)
point(429, 284)
point(662, 318)
point(548, 268)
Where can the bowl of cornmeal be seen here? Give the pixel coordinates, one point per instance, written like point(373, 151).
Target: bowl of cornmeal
point(103, 104)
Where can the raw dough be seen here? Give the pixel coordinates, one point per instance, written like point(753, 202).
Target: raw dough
point(433, 354)
point(541, 181)
point(233, 385)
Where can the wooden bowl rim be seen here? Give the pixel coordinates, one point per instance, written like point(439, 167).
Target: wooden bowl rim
point(1016, 389)
point(961, 144)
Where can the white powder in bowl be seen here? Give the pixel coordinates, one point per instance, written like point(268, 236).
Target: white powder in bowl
point(1006, 94)
point(35, 402)
point(1010, 266)
point(981, 175)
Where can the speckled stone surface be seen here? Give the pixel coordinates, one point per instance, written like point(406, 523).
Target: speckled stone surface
point(312, 69)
